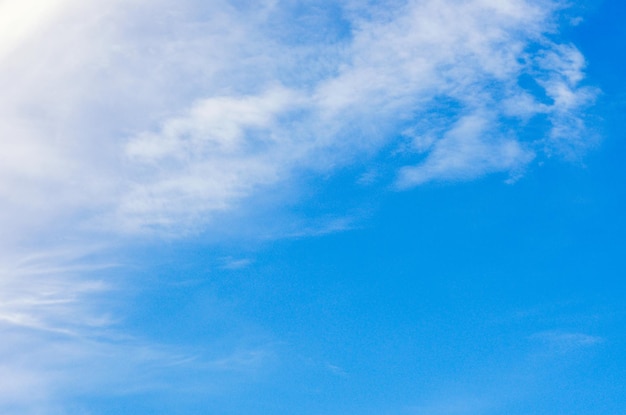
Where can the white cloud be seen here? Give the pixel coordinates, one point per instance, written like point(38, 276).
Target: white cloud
point(236, 264)
point(62, 340)
point(219, 151)
point(48, 320)
point(467, 151)
point(47, 291)
point(567, 341)
point(160, 116)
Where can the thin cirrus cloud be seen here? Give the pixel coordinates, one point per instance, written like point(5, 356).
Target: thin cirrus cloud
point(60, 340)
point(134, 116)
point(48, 313)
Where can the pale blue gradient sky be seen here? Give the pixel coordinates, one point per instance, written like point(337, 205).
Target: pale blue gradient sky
point(316, 208)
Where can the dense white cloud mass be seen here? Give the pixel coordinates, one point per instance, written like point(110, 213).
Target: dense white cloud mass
point(139, 115)
point(157, 115)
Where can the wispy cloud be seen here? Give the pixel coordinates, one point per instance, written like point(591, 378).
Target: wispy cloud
point(466, 151)
point(567, 341)
point(500, 387)
point(63, 339)
point(49, 321)
point(236, 263)
point(47, 292)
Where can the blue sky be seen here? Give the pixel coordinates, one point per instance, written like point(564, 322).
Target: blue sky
point(312, 207)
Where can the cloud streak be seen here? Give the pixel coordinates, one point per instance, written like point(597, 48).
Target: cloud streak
point(63, 340)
